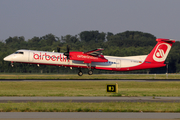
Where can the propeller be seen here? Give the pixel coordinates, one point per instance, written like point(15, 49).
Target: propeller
point(67, 53)
point(58, 49)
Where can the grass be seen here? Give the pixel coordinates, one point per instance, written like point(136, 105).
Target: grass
point(94, 76)
point(89, 107)
point(88, 88)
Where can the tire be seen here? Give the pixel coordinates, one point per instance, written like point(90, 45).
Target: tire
point(90, 72)
point(80, 73)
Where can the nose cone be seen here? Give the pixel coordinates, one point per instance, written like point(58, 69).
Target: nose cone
point(8, 58)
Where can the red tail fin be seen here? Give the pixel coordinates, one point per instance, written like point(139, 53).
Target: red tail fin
point(160, 51)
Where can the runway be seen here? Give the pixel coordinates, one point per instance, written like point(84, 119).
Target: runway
point(89, 99)
point(137, 80)
point(87, 116)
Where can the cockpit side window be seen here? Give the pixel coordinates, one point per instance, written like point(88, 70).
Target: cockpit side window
point(18, 52)
point(21, 53)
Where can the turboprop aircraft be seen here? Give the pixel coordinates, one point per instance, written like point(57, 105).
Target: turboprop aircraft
point(94, 59)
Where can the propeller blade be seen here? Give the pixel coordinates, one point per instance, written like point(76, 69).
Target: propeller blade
point(67, 48)
point(67, 53)
point(58, 49)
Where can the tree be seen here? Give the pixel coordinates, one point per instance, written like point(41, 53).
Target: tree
point(95, 36)
point(49, 39)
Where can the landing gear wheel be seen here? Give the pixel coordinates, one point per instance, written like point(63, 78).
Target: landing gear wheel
point(90, 72)
point(80, 73)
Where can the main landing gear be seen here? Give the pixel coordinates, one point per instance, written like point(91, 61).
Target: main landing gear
point(80, 73)
point(90, 72)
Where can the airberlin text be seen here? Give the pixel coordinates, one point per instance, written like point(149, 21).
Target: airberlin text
point(47, 57)
point(87, 57)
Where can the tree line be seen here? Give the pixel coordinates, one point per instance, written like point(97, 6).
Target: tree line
point(128, 43)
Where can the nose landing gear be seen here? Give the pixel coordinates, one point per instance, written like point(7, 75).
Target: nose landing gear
point(12, 65)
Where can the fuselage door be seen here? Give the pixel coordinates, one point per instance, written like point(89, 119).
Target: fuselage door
point(118, 64)
point(31, 59)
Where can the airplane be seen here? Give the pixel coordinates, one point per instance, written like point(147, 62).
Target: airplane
point(94, 59)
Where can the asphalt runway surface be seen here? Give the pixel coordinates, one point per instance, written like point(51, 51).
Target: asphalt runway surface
point(89, 99)
point(137, 80)
point(87, 116)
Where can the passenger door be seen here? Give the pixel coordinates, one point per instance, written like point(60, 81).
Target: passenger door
point(118, 64)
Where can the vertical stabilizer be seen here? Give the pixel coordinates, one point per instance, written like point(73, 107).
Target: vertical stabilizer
point(160, 51)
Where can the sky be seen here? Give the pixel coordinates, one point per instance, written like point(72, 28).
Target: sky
point(30, 18)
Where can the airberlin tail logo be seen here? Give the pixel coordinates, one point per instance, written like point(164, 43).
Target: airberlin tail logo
point(161, 52)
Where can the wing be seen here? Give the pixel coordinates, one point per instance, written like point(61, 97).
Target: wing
point(94, 52)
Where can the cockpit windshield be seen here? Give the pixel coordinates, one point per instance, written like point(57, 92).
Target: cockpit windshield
point(18, 52)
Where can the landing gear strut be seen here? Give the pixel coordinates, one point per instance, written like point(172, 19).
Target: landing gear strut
point(12, 65)
point(90, 72)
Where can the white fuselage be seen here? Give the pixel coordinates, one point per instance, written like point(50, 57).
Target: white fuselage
point(58, 59)
point(155, 59)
